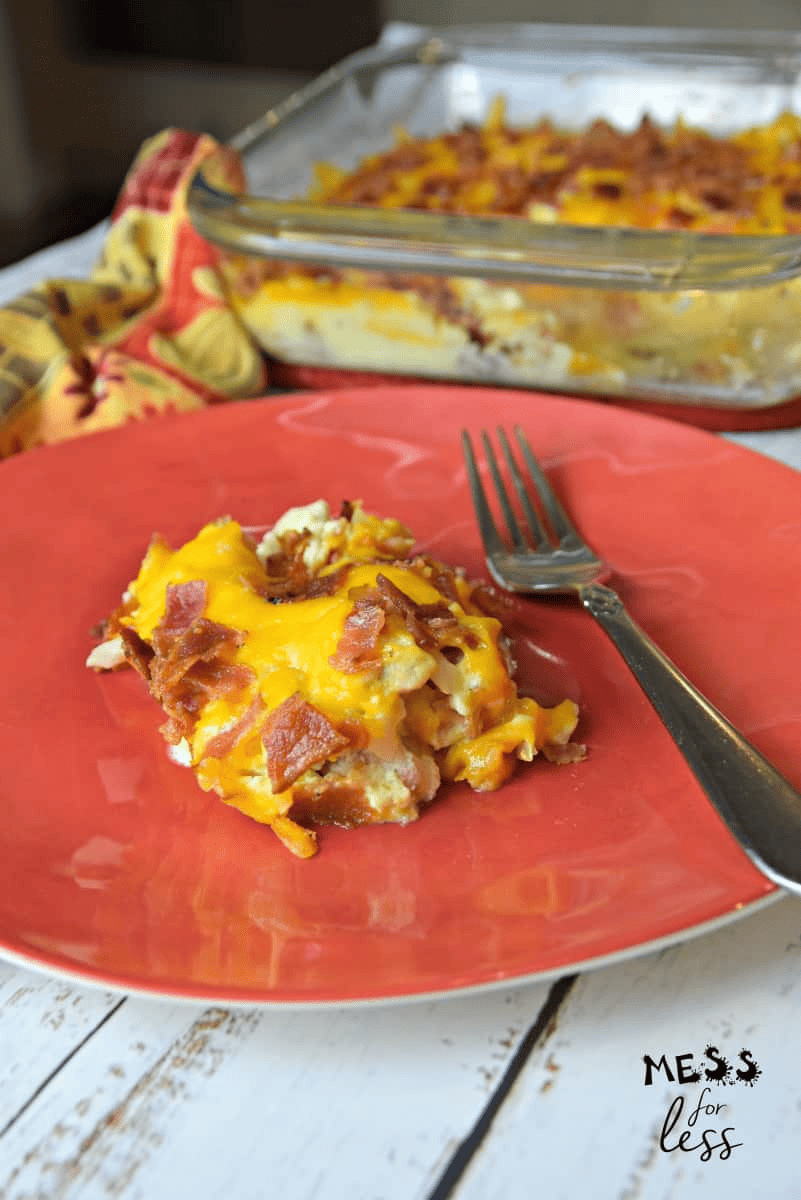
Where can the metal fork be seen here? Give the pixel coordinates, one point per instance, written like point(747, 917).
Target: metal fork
point(760, 808)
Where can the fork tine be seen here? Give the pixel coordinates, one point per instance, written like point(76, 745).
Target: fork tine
point(535, 524)
point(561, 524)
point(493, 543)
point(515, 533)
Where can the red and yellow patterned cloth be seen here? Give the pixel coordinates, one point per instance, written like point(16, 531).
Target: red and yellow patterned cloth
point(149, 332)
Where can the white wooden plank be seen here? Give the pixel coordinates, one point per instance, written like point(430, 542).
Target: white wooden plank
point(168, 1101)
point(42, 1021)
point(581, 1120)
point(781, 444)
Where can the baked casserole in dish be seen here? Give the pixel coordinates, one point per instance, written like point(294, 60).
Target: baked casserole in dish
point(595, 211)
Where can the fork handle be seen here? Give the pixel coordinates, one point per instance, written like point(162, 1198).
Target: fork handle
point(760, 808)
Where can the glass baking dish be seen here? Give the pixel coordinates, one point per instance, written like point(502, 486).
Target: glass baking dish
point(700, 319)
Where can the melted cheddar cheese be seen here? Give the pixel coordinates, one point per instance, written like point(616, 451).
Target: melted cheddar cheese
point(649, 177)
point(321, 677)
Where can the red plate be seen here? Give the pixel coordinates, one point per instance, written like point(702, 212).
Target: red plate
point(116, 869)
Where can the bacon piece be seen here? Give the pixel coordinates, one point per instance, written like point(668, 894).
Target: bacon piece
point(183, 683)
point(399, 602)
point(297, 736)
point(492, 602)
point(332, 802)
point(136, 651)
point(186, 696)
point(442, 577)
point(217, 679)
point(176, 653)
point(358, 647)
point(295, 583)
point(185, 669)
point(438, 619)
point(184, 603)
point(428, 624)
point(279, 589)
point(325, 585)
point(222, 743)
point(181, 705)
point(431, 626)
point(563, 754)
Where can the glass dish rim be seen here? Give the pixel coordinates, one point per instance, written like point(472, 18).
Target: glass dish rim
point(502, 248)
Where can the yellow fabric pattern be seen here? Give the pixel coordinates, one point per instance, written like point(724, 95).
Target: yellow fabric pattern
point(149, 332)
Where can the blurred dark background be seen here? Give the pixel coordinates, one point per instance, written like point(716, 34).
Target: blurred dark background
point(84, 82)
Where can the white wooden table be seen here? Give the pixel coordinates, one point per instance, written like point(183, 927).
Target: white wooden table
point(537, 1090)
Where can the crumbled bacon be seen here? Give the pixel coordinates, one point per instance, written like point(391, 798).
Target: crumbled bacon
point(183, 664)
point(492, 602)
point(136, 651)
point(397, 601)
point(297, 736)
point(358, 647)
point(184, 603)
point(332, 802)
point(325, 585)
point(429, 624)
point(433, 626)
point(285, 578)
point(564, 753)
point(439, 621)
point(184, 697)
point(608, 190)
point(217, 679)
point(297, 585)
point(176, 653)
point(442, 577)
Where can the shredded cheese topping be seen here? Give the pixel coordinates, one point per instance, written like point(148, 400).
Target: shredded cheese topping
point(649, 178)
